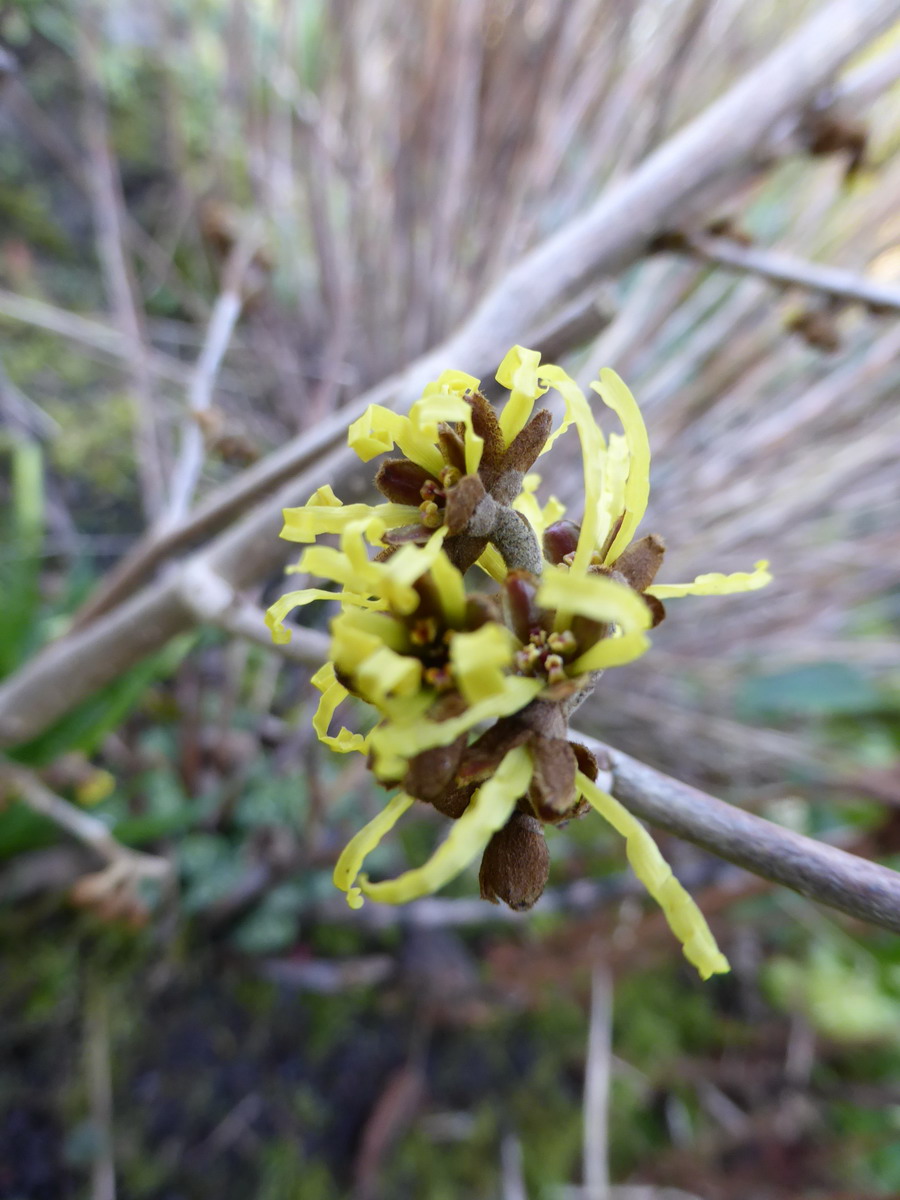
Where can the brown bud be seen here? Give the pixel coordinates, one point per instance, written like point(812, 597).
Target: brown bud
point(464, 551)
point(552, 790)
point(452, 447)
point(560, 539)
point(417, 534)
point(462, 500)
point(640, 561)
point(486, 425)
point(484, 756)
point(516, 864)
point(401, 481)
point(520, 610)
point(453, 801)
point(657, 609)
point(521, 455)
point(587, 763)
point(481, 609)
point(432, 771)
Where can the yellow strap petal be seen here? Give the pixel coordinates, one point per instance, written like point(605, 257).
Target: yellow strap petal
point(527, 504)
point(478, 660)
point(276, 612)
point(593, 596)
point(519, 372)
point(616, 396)
point(426, 414)
point(387, 629)
point(353, 643)
point(451, 589)
point(612, 487)
point(611, 652)
point(386, 673)
point(395, 742)
point(379, 430)
point(716, 584)
point(491, 562)
point(306, 523)
point(489, 810)
point(684, 917)
point(363, 843)
point(330, 564)
point(332, 695)
point(593, 457)
point(451, 381)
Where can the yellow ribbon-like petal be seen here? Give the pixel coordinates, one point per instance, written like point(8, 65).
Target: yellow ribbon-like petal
point(395, 742)
point(401, 570)
point(519, 373)
point(276, 612)
point(332, 694)
point(491, 562)
point(616, 466)
point(306, 523)
point(478, 660)
point(716, 584)
point(451, 589)
point(379, 430)
point(684, 917)
point(611, 652)
point(616, 396)
point(489, 810)
point(593, 454)
point(527, 504)
point(385, 673)
point(363, 843)
point(426, 414)
point(593, 596)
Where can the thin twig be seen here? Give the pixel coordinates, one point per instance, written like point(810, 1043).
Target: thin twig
point(85, 828)
point(788, 271)
point(222, 322)
point(86, 331)
point(216, 602)
point(109, 219)
point(596, 1086)
point(823, 873)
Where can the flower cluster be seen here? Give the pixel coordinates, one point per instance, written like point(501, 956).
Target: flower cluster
point(473, 690)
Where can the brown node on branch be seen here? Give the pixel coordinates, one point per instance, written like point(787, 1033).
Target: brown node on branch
point(728, 227)
point(818, 327)
point(830, 131)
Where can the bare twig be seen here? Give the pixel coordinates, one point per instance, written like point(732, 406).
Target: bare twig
point(596, 1086)
point(784, 269)
point(215, 602)
point(109, 219)
point(830, 876)
point(81, 825)
point(86, 332)
point(222, 322)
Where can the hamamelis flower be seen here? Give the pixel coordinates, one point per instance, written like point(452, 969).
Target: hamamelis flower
point(461, 470)
point(472, 692)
